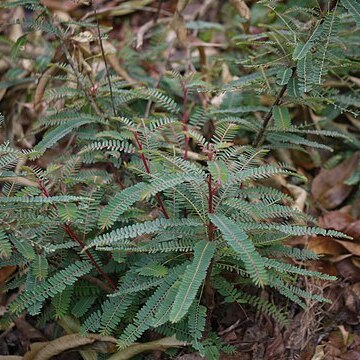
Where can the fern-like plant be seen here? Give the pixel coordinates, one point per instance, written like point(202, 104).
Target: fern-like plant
point(137, 224)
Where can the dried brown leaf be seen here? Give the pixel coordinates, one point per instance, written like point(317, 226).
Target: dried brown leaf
point(73, 342)
point(348, 270)
point(335, 220)
point(242, 8)
point(328, 187)
point(178, 23)
point(351, 246)
point(5, 273)
point(325, 246)
point(353, 230)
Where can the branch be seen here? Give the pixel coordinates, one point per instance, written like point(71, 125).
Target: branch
point(76, 71)
point(268, 116)
point(81, 84)
point(82, 244)
point(147, 168)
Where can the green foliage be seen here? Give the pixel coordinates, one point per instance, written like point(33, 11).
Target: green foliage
point(194, 275)
point(353, 7)
point(159, 201)
point(282, 118)
point(243, 247)
point(55, 285)
point(5, 245)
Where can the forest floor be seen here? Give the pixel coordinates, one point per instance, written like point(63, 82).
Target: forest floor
point(332, 328)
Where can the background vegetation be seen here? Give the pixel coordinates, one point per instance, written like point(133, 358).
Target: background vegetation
point(179, 179)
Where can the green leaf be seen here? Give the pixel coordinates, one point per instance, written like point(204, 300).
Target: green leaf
point(155, 309)
point(39, 267)
point(121, 235)
point(302, 49)
point(305, 73)
point(55, 285)
point(282, 117)
point(17, 47)
point(119, 204)
point(219, 171)
point(243, 246)
point(113, 310)
point(154, 270)
point(283, 76)
point(193, 277)
point(353, 6)
point(24, 248)
point(330, 28)
point(197, 321)
point(5, 245)
point(62, 130)
point(166, 181)
point(61, 302)
point(294, 88)
point(67, 212)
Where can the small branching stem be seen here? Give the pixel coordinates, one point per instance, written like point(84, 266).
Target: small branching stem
point(81, 243)
point(142, 156)
point(148, 170)
point(79, 80)
point(268, 116)
point(259, 138)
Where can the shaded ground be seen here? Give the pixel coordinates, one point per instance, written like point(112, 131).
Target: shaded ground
point(321, 331)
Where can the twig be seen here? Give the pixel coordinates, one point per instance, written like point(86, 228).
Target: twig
point(268, 116)
point(115, 11)
point(104, 57)
point(231, 327)
point(79, 80)
point(114, 63)
point(167, 59)
point(98, 283)
point(148, 170)
point(74, 237)
point(41, 86)
point(76, 71)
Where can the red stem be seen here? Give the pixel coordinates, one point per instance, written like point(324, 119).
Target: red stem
point(139, 144)
point(147, 168)
point(88, 254)
point(185, 119)
point(82, 244)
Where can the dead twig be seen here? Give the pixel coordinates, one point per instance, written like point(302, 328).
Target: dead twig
point(269, 114)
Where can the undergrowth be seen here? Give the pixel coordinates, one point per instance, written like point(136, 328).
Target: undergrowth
point(154, 201)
